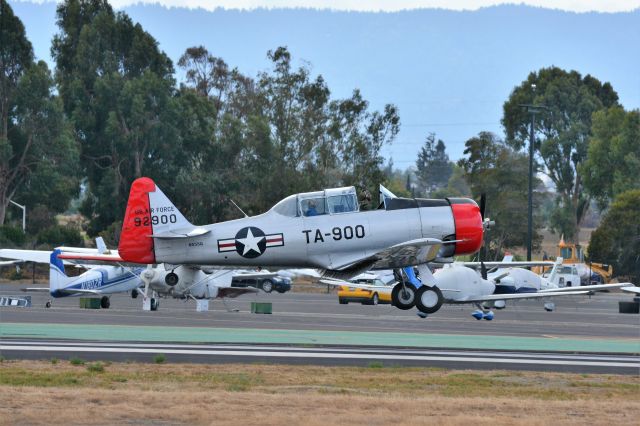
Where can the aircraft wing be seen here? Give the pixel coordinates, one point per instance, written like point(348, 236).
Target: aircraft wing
point(232, 292)
point(506, 264)
point(408, 253)
point(37, 256)
point(589, 288)
point(518, 296)
point(29, 289)
point(10, 262)
point(631, 288)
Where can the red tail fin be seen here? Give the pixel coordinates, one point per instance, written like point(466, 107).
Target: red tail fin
point(136, 244)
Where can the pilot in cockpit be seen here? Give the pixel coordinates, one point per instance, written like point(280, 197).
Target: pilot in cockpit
point(311, 209)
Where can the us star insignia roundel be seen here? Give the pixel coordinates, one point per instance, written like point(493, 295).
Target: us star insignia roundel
point(250, 242)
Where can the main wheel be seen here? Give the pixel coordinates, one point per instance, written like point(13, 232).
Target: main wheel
point(171, 279)
point(267, 286)
point(48, 304)
point(428, 299)
point(154, 304)
point(403, 297)
point(134, 294)
point(105, 302)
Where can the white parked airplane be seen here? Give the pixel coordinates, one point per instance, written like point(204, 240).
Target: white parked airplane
point(175, 281)
point(97, 281)
point(186, 282)
point(460, 284)
point(180, 282)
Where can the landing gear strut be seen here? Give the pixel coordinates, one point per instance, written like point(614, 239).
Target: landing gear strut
point(403, 295)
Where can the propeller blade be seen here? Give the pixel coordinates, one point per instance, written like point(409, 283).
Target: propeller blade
point(483, 270)
point(483, 201)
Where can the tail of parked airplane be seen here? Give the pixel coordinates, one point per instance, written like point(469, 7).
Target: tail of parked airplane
point(57, 276)
point(149, 214)
point(555, 269)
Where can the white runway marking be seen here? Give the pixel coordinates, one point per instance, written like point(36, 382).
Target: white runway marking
point(257, 352)
point(594, 357)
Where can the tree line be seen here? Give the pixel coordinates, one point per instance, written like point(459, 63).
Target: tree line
point(112, 110)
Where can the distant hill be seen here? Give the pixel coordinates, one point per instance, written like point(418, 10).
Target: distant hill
point(449, 72)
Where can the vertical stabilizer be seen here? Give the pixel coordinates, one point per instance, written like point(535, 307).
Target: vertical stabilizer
point(555, 269)
point(57, 276)
point(149, 212)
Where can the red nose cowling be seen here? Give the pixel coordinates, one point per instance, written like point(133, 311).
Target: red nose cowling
point(468, 221)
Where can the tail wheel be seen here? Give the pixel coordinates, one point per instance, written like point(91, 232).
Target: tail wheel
point(171, 279)
point(403, 296)
point(105, 302)
point(48, 304)
point(428, 299)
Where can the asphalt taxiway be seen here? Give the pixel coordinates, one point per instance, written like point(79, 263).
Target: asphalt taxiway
point(583, 334)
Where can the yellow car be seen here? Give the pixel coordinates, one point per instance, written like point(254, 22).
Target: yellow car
point(378, 290)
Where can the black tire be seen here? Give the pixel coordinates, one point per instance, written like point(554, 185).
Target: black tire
point(105, 302)
point(171, 279)
point(266, 286)
point(342, 301)
point(403, 297)
point(428, 299)
point(154, 304)
point(134, 294)
point(48, 304)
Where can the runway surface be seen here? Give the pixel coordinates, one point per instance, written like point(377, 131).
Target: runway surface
point(203, 353)
point(588, 334)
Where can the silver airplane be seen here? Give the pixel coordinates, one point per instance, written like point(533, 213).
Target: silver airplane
point(324, 230)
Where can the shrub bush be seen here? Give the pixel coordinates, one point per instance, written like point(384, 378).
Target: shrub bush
point(57, 235)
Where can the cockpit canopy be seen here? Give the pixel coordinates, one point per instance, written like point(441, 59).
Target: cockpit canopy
point(329, 201)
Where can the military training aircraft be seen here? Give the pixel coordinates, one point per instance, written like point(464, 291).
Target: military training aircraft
point(324, 230)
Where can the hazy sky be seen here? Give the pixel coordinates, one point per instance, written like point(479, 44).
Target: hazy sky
point(390, 5)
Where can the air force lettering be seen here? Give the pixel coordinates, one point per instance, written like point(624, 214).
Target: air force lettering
point(250, 242)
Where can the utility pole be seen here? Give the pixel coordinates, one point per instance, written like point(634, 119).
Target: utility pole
point(532, 110)
point(24, 215)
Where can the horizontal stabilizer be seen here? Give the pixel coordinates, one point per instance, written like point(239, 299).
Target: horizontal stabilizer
point(109, 258)
point(182, 233)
